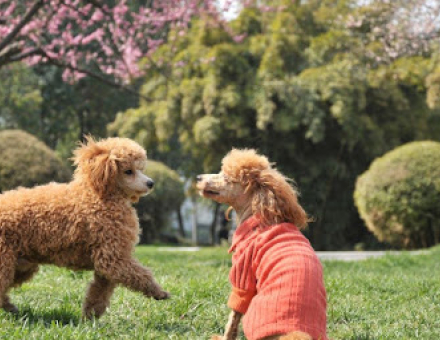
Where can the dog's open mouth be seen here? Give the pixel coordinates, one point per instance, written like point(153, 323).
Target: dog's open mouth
point(210, 193)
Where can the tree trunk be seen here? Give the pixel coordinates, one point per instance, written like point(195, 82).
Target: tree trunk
point(80, 116)
point(194, 222)
point(180, 222)
point(214, 223)
point(316, 230)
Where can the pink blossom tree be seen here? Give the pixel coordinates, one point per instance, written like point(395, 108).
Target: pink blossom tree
point(398, 27)
point(99, 37)
point(93, 37)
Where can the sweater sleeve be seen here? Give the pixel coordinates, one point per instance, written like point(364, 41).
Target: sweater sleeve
point(244, 283)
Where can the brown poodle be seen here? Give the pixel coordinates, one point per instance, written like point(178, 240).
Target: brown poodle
point(277, 280)
point(87, 224)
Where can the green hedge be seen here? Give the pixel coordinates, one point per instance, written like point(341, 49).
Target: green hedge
point(155, 210)
point(26, 161)
point(398, 197)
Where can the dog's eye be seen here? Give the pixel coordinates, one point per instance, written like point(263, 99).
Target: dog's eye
point(129, 172)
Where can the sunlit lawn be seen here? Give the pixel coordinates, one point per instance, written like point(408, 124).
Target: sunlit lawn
point(396, 297)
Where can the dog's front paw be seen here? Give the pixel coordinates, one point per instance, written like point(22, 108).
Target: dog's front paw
point(10, 308)
point(161, 295)
point(94, 311)
point(157, 294)
point(216, 337)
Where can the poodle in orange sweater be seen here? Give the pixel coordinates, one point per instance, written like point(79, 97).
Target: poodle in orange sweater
point(87, 224)
point(277, 280)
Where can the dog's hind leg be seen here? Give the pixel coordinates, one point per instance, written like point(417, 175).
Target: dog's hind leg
point(24, 271)
point(7, 269)
point(8, 306)
point(98, 297)
point(21, 275)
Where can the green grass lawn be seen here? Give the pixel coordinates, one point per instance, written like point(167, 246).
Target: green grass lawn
point(395, 297)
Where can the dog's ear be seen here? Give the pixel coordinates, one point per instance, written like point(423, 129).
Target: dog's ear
point(96, 165)
point(103, 170)
point(275, 200)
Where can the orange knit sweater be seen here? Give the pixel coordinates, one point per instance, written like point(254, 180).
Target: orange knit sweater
point(277, 281)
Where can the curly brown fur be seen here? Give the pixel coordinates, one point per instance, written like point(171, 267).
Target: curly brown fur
point(251, 186)
point(274, 199)
point(87, 224)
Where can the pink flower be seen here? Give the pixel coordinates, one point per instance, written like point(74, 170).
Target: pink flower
point(239, 38)
point(9, 10)
point(180, 63)
point(97, 15)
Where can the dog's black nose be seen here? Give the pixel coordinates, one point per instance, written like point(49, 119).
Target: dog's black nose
point(150, 184)
point(199, 178)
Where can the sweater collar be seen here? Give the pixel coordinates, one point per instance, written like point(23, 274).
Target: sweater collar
point(243, 230)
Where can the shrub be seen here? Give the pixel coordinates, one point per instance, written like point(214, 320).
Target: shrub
point(26, 161)
point(155, 210)
point(399, 196)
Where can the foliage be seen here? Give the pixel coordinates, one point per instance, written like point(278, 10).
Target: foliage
point(154, 211)
point(302, 87)
point(74, 110)
point(50, 305)
point(26, 161)
point(398, 195)
point(39, 102)
point(20, 98)
point(433, 84)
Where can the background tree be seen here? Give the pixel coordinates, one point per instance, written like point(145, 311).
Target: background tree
point(300, 85)
point(20, 98)
point(155, 210)
point(38, 101)
point(26, 161)
point(99, 39)
point(85, 43)
point(70, 111)
point(393, 29)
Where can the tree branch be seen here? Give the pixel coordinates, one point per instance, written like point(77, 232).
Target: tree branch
point(97, 4)
point(95, 76)
point(24, 55)
point(7, 53)
point(32, 11)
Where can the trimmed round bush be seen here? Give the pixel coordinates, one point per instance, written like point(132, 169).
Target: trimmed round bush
point(26, 161)
point(398, 197)
point(155, 210)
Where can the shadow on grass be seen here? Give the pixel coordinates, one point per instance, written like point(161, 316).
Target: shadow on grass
point(48, 318)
